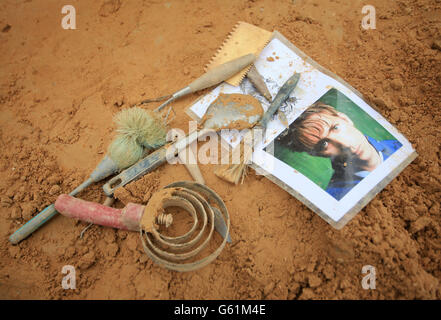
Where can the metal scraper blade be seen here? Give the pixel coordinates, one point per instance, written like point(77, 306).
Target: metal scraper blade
point(220, 225)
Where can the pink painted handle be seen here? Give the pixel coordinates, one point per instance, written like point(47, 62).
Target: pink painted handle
point(126, 219)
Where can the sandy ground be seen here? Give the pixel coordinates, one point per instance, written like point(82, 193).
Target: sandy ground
point(59, 90)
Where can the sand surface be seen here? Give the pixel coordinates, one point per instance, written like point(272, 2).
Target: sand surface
point(59, 90)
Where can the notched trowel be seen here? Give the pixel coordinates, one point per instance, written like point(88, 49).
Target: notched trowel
point(245, 38)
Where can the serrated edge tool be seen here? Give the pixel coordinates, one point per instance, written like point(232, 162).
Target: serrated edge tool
point(244, 39)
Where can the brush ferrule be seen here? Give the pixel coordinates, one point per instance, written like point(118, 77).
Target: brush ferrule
point(175, 96)
point(181, 93)
point(104, 169)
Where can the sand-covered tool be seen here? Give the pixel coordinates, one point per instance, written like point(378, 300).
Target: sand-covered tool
point(244, 39)
point(235, 172)
point(181, 253)
point(188, 158)
point(228, 111)
point(138, 131)
point(210, 78)
point(232, 61)
point(257, 80)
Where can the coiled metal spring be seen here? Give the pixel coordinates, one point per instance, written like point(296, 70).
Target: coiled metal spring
point(179, 253)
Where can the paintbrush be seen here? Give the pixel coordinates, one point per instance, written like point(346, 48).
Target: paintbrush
point(236, 172)
point(210, 78)
point(138, 131)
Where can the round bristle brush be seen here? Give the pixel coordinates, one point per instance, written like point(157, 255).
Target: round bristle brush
point(146, 127)
point(138, 131)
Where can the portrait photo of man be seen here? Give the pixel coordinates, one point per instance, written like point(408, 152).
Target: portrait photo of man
point(332, 149)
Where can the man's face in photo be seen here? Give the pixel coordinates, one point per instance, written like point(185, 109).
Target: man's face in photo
point(339, 138)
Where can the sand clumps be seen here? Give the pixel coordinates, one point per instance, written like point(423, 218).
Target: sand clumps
point(54, 130)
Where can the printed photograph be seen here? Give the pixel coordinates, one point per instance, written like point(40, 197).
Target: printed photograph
point(335, 144)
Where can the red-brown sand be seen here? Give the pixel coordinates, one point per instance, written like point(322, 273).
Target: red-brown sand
point(59, 90)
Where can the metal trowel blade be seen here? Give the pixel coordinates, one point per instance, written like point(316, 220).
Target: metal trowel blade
point(221, 114)
point(220, 225)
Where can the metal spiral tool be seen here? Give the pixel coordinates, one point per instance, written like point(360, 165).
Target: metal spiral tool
point(185, 252)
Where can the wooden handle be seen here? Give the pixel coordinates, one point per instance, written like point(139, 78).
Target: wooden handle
point(258, 82)
point(189, 160)
point(92, 212)
point(221, 72)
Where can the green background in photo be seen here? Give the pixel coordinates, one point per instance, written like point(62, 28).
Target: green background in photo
point(319, 169)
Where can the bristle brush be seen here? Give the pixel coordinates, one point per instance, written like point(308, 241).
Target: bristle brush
point(138, 131)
